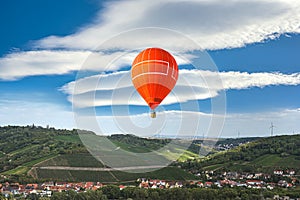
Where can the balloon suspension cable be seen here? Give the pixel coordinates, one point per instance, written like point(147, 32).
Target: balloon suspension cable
point(153, 114)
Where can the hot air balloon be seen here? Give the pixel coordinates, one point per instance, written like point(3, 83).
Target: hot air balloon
point(154, 73)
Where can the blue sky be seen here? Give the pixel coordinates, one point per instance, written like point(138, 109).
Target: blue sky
point(47, 47)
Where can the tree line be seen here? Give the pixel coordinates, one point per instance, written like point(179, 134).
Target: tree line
point(113, 192)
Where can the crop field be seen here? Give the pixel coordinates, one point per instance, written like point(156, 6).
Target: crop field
point(74, 175)
point(168, 173)
point(73, 160)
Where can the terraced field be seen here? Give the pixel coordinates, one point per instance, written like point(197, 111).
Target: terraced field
point(168, 173)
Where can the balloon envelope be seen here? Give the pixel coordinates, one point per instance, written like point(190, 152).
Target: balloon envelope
point(154, 73)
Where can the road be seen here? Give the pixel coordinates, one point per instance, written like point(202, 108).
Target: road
point(101, 168)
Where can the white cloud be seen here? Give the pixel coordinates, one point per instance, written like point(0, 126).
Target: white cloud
point(117, 89)
point(47, 62)
point(54, 62)
point(212, 24)
point(262, 79)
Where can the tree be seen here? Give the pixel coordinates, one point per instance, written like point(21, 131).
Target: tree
point(128, 192)
point(153, 194)
point(59, 196)
point(140, 193)
point(111, 191)
point(32, 197)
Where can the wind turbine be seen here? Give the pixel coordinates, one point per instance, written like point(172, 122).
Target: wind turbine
point(272, 129)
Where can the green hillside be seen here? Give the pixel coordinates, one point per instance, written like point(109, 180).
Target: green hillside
point(262, 155)
point(23, 147)
point(25, 150)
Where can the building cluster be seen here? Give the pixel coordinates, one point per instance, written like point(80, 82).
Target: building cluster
point(156, 183)
point(253, 183)
point(224, 147)
point(226, 179)
point(46, 188)
point(285, 172)
point(227, 146)
point(250, 180)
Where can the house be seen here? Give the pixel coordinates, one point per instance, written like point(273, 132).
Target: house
point(290, 172)
point(208, 184)
point(61, 184)
point(254, 182)
point(46, 193)
point(31, 186)
point(122, 187)
point(241, 184)
point(257, 175)
point(178, 185)
point(278, 172)
point(282, 183)
point(144, 185)
point(48, 184)
point(200, 184)
point(88, 185)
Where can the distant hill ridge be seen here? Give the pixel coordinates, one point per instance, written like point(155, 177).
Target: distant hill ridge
point(261, 155)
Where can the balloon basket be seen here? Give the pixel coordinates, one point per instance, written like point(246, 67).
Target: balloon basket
point(153, 114)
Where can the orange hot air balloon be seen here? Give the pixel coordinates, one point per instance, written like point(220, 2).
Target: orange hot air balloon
point(154, 73)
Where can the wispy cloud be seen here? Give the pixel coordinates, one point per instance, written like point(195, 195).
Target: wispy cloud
point(117, 89)
point(48, 62)
point(56, 62)
point(30, 63)
point(213, 24)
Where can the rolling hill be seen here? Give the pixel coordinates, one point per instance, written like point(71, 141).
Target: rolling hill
point(261, 155)
point(26, 152)
point(36, 153)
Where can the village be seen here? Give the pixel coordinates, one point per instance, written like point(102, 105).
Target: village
point(229, 179)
